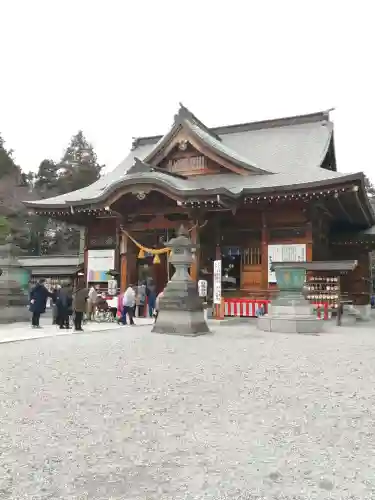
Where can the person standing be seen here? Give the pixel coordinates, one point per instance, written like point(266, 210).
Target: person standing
point(151, 297)
point(38, 302)
point(79, 305)
point(55, 313)
point(141, 298)
point(91, 302)
point(64, 306)
point(128, 303)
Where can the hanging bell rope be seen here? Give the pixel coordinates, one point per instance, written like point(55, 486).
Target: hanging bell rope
point(143, 250)
point(154, 251)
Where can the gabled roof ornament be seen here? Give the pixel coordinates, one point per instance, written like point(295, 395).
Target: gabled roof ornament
point(139, 167)
point(185, 114)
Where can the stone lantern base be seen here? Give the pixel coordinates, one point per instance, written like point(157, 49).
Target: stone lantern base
point(13, 303)
point(181, 311)
point(13, 299)
point(286, 321)
point(290, 312)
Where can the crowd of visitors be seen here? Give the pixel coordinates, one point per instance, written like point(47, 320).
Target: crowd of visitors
point(76, 303)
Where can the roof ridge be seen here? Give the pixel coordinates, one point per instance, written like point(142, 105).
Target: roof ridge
point(185, 114)
point(243, 127)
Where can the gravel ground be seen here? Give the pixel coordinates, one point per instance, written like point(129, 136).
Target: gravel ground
point(236, 415)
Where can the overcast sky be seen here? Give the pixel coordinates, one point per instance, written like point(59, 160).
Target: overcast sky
point(118, 69)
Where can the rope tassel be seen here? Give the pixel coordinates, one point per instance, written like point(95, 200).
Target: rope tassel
point(156, 259)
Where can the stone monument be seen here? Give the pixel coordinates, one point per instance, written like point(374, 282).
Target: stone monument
point(181, 308)
point(13, 299)
point(290, 312)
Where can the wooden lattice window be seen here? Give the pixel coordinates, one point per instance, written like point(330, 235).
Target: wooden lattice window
point(251, 256)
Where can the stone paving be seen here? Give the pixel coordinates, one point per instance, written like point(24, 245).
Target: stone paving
point(23, 331)
point(238, 414)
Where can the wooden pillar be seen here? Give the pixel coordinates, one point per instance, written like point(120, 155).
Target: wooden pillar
point(195, 264)
point(264, 254)
point(309, 242)
point(123, 262)
point(85, 263)
point(218, 308)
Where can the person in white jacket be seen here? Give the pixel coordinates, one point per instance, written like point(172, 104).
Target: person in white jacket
point(91, 302)
point(128, 303)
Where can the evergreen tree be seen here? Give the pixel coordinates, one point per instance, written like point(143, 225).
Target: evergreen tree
point(79, 166)
point(12, 191)
point(4, 229)
point(46, 179)
point(7, 165)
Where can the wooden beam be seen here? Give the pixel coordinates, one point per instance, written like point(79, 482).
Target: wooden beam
point(343, 209)
point(158, 222)
point(264, 253)
point(194, 266)
point(355, 189)
point(325, 210)
point(155, 212)
point(123, 262)
point(309, 242)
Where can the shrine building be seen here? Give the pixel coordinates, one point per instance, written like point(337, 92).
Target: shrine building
point(248, 193)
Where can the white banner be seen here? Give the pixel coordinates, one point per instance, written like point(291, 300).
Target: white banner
point(202, 288)
point(284, 253)
point(217, 281)
point(112, 287)
point(99, 262)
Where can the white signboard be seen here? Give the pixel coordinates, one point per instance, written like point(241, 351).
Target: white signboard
point(99, 262)
point(112, 287)
point(284, 253)
point(202, 288)
point(217, 281)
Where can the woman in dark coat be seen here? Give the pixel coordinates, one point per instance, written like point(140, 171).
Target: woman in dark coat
point(38, 301)
point(64, 306)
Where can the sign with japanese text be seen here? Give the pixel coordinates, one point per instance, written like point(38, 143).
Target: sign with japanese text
point(202, 288)
point(217, 282)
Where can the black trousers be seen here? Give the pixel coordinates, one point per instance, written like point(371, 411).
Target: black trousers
point(127, 311)
point(63, 319)
point(35, 319)
point(78, 316)
point(113, 311)
point(141, 310)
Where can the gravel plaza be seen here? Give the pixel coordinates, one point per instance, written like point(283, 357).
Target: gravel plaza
point(237, 414)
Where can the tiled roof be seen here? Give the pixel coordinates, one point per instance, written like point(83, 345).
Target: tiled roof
point(287, 152)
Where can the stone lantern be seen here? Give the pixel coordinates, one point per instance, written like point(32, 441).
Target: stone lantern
point(290, 312)
point(181, 308)
point(13, 299)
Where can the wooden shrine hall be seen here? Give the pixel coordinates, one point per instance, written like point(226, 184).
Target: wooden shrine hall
point(249, 194)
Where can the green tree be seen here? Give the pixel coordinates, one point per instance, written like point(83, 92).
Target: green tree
point(46, 179)
point(79, 166)
point(77, 169)
point(4, 228)
point(13, 189)
point(7, 165)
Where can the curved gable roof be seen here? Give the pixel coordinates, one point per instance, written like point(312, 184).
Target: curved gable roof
point(186, 120)
point(294, 147)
